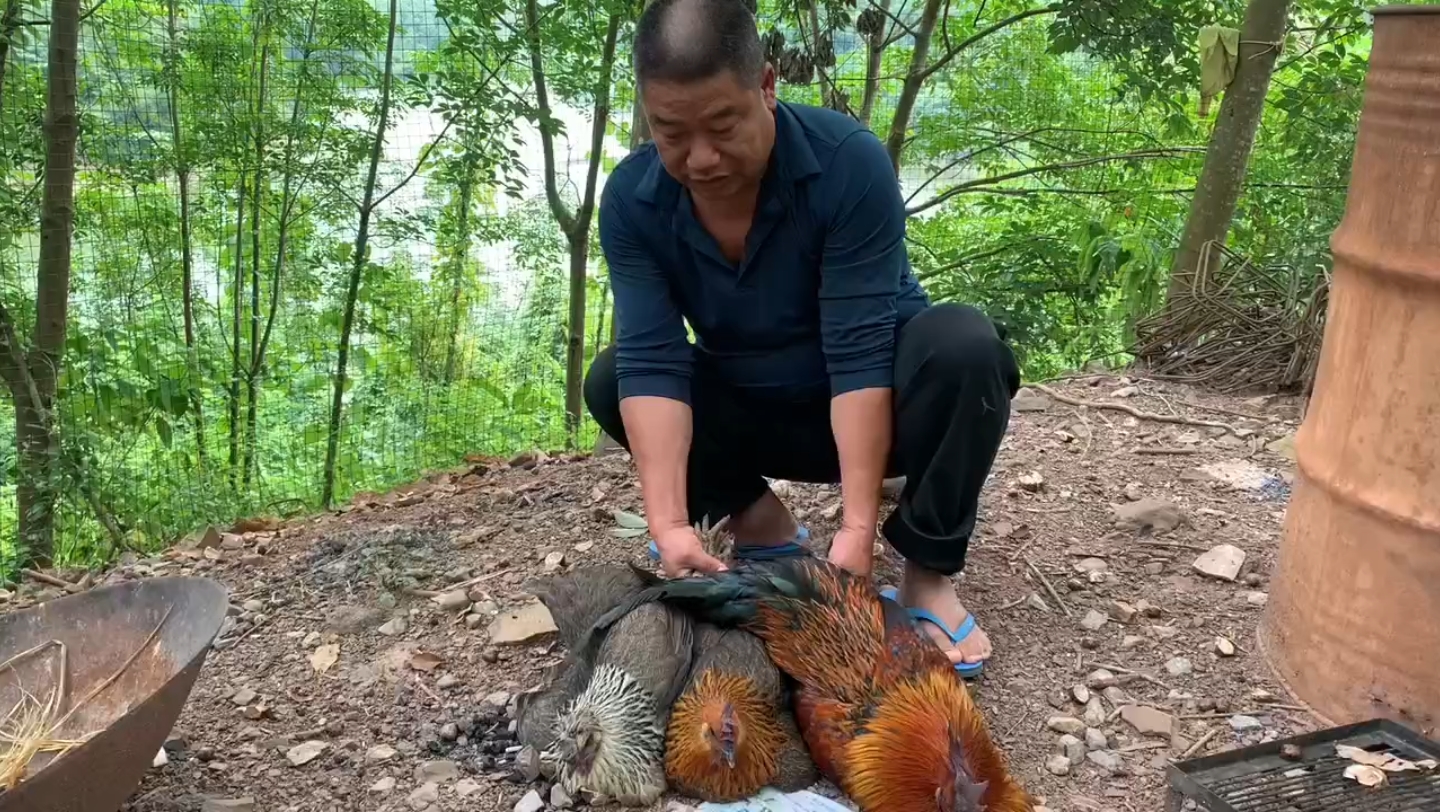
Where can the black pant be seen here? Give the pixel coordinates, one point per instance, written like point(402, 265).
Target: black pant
point(954, 378)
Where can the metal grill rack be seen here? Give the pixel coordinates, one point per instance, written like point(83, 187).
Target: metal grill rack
point(1261, 779)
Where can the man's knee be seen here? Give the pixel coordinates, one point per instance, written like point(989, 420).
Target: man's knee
point(602, 392)
point(960, 341)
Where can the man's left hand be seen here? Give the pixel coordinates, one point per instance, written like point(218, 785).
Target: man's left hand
point(854, 549)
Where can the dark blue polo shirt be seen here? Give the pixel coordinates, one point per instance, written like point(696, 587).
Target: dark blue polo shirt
point(814, 308)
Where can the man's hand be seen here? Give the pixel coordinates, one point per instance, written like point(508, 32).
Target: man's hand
point(854, 549)
point(682, 554)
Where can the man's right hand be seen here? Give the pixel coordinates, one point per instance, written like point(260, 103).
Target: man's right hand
point(682, 554)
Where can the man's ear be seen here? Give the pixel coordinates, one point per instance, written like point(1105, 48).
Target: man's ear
point(767, 85)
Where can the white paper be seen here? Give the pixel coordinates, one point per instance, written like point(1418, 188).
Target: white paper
point(772, 800)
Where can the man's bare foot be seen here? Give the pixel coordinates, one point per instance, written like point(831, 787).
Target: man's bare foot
point(925, 589)
point(766, 523)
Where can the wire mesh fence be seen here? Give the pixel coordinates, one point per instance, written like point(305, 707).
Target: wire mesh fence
point(314, 252)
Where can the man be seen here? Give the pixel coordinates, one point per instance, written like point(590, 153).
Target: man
point(778, 232)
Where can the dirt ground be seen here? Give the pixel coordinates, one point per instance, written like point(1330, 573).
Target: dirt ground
point(360, 668)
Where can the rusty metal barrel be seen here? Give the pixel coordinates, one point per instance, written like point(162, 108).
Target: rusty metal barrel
point(1353, 622)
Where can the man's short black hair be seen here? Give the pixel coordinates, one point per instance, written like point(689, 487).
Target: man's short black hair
point(691, 40)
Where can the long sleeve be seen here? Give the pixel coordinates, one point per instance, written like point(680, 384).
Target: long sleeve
point(653, 356)
point(861, 267)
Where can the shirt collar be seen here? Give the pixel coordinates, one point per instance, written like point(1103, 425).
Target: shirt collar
point(794, 160)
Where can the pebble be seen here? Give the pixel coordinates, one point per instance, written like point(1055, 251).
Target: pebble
point(244, 697)
point(1081, 694)
point(1106, 760)
point(253, 605)
point(1099, 679)
point(498, 699)
point(306, 752)
point(1131, 641)
point(527, 765)
point(379, 754)
point(1179, 667)
point(1257, 598)
point(1244, 724)
point(532, 802)
point(1095, 714)
point(1058, 765)
point(1072, 748)
point(1148, 721)
point(447, 682)
point(1065, 724)
point(394, 626)
point(1224, 647)
point(466, 787)
point(425, 795)
point(454, 601)
point(1095, 739)
point(559, 798)
point(1122, 611)
point(437, 772)
point(384, 785)
point(1093, 621)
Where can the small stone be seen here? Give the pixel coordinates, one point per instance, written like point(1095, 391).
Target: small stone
point(1072, 748)
point(161, 759)
point(1093, 621)
point(311, 640)
point(1291, 752)
point(1148, 609)
point(1065, 724)
point(1095, 714)
point(473, 620)
point(1107, 760)
point(1122, 611)
point(1091, 565)
point(1058, 765)
point(1095, 739)
point(384, 785)
point(253, 605)
point(532, 802)
point(1081, 693)
point(466, 787)
point(425, 795)
point(1133, 492)
point(1223, 561)
point(1032, 482)
point(449, 731)
point(1243, 724)
point(447, 682)
point(559, 798)
point(1100, 679)
point(1115, 696)
point(554, 561)
point(1131, 641)
point(453, 601)
point(1262, 695)
point(1224, 647)
point(1257, 598)
point(1148, 721)
point(1029, 400)
point(1178, 667)
point(245, 804)
point(1034, 601)
point(521, 625)
point(306, 752)
point(1157, 515)
point(1252, 579)
point(244, 697)
point(394, 626)
point(527, 765)
point(379, 754)
point(497, 699)
point(437, 772)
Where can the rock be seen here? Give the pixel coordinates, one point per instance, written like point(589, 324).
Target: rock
point(449, 731)
point(1115, 696)
point(527, 765)
point(244, 697)
point(532, 802)
point(1091, 565)
point(306, 752)
point(437, 772)
point(1128, 391)
point(1159, 516)
point(161, 759)
point(1065, 724)
point(454, 600)
point(1081, 693)
point(559, 798)
point(1148, 609)
point(1284, 446)
point(1095, 714)
point(394, 626)
point(1029, 400)
point(1107, 760)
point(384, 785)
point(1244, 724)
point(1133, 492)
point(1072, 748)
point(1100, 679)
point(1253, 579)
point(497, 699)
point(1034, 601)
point(1148, 721)
point(425, 795)
point(1095, 739)
point(1178, 667)
point(1257, 598)
point(522, 625)
point(1093, 621)
point(1032, 482)
point(466, 787)
point(1131, 641)
point(1122, 611)
point(353, 619)
point(245, 804)
point(554, 561)
point(1262, 695)
point(473, 620)
point(1224, 647)
point(379, 754)
point(253, 605)
point(1222, 561)
point(1058, 765)
point(447, 682)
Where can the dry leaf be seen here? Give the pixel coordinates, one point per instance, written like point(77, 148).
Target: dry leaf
point(325, 657)
point(425, 661)
point(1389, 762)
point(1365, 774)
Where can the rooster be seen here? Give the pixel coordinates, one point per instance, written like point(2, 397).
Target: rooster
point(731, 730)
point(878, 705)
point(606, 714)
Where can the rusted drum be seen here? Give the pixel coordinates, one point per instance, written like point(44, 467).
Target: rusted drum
point(1353, 623)
point(141, 644)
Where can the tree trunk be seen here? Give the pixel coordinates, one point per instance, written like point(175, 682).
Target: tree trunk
point(9, 24)
point(1228, 155)
point(252, 408)
point(362, 240)
point(187, 258)
point(914, 80)
point(457, 283)
point(237, 297)
point(35, 374)
point(875, 58)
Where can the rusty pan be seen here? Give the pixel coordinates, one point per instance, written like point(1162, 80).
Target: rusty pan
point(130, 654)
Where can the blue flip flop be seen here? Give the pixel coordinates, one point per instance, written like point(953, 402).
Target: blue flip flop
point(965, 670)
point(760, 552)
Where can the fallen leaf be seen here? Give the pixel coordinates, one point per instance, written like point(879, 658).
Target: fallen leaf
point(626, 532)
point(325, 657)
point(426, 661)
point(1389, 762)
point(628, 520)
point(1365, 774)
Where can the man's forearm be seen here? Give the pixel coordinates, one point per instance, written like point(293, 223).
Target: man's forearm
point(659, 432)
point(861, 421)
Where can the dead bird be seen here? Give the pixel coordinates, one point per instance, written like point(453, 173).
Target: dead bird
point(731, 731)
point(610, 709)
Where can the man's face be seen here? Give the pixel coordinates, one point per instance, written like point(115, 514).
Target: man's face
point(714, 136)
